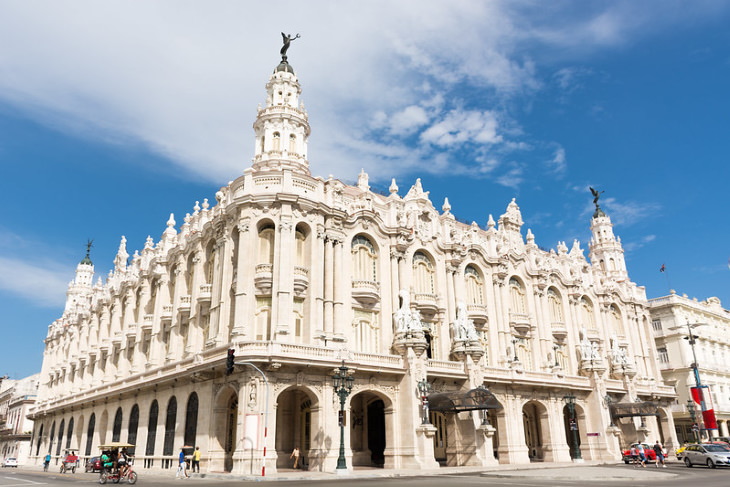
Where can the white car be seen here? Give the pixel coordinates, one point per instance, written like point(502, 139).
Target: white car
point(10, 462)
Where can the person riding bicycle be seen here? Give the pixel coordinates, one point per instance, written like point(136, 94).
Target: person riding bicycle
point(46, 461)
point(123, 462)
point(106, 461)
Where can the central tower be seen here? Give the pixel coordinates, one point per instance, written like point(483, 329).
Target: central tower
point(282, 129)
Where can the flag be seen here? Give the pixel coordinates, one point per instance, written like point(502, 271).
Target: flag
point(662, 268)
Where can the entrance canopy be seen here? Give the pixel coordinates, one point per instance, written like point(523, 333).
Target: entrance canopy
point(454, 402)
point(631, 409)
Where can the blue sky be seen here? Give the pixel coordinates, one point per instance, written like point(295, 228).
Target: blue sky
point(115, 114)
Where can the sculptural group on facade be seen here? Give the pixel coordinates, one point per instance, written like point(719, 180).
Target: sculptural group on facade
point(463, 330)
point(588, 350)
point(617, 354)
point(407, 320)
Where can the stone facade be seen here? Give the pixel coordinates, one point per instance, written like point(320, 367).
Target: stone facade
point(673, 317)
point(299, 273)
point(16, 398)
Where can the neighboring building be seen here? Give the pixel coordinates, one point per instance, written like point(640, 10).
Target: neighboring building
point(673, 317)
point(16, 398)
point(299, 274)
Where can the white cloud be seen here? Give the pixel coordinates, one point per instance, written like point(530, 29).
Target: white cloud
point(630, 212)
point(43, 284)
point(637, 244)
point(559, 161)
point(462, 126)
point(408, 120)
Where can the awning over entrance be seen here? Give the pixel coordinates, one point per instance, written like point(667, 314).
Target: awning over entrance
point(454, 402)
point(631, 409)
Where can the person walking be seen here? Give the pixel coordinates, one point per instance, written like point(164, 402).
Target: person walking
point(182, 466)
point(642, 454)
point(196, 460)
point(295, 455)
point(659, 451)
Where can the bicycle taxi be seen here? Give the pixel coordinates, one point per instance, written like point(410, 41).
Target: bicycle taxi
point(116, 463)
point(70, 461)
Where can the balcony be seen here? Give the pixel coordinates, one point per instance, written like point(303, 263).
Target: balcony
point(206, 293)
point(520, 322)
point(559, 330)
point(148, 322)
point(301, 280)
point(166, 312)
point(477, 312)
point(185, 302)
point(263, 278)
point(366, 292)
point(426, 302)
point(131, 330)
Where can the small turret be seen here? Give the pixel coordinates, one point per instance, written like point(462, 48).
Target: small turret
point(605, 249)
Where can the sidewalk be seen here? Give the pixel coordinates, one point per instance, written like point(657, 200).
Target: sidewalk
point(554, 471)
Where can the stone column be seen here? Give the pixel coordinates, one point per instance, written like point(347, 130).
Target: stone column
point(329, 284)
point(339, 291)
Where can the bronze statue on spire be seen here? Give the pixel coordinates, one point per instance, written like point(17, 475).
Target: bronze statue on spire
point(287, 42)
point(596, 196)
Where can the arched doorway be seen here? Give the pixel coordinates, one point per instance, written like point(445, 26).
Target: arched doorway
point(225, 419)
point(368, 431)
point(533, 414)
point(296, 418)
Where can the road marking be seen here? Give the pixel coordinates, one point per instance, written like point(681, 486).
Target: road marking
point(20, 480)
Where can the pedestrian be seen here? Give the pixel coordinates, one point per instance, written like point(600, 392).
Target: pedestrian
point(634, 456)
point(642, 454)
point(196, 459)
point(295, 456)
point(659, 451)
point(182, 466)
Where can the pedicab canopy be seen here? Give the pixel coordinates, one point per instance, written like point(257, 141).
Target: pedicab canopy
point(115, 444)
point(631, 409)
point(454, 402)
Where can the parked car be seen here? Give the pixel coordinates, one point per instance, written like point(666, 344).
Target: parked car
point(10, 462)
point(649, 453)
point(710, 454)
point(93, 464)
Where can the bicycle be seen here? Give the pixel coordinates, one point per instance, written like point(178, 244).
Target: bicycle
point(130, 476)
point(45, 466)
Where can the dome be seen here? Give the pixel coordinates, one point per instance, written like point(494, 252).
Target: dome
point(285, 67)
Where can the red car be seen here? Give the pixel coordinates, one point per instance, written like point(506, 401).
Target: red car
point(93, 464)
point(649, 453)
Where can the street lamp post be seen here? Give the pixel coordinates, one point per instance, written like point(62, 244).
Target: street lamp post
point(692, 338)
point(424, 387)
point(693, 426)
point(342, 382)
point(570, 402)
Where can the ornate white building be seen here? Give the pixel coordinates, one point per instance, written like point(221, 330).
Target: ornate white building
point(299, 273)
point(16, 398)
point(674, 318)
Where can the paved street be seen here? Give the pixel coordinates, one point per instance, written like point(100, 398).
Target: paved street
point(535, 475)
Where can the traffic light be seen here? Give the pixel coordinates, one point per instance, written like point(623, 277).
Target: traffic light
point(230, 361)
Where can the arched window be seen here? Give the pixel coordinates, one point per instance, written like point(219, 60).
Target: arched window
point(263, 318)
point(366, 331)
point(524, 353)
point(50, 437)
point(587, 316)
point(277, 141)
point(90, 434)
point(168, 446)
point(132, 429)
point(60, 437)
point(69, 433)
point(300, 237)
point(364, 259)
point(152, 429)
point(617, 324)
point(423, 274)
point(517, 293)
point(208, 263)
point(266, 246)
point(292, 144)
point(38, 442)
point(191, 420)
point(474, 286)
point(555, 304)
point(117, 428)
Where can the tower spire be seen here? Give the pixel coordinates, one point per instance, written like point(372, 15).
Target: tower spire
point(282, 127)
point(605, 249)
